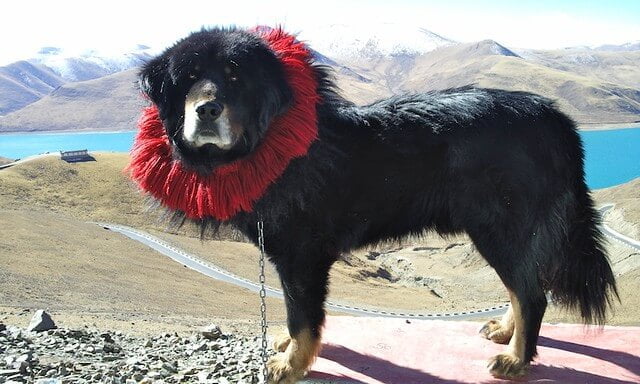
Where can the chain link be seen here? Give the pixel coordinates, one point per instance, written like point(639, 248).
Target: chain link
point(263, 303)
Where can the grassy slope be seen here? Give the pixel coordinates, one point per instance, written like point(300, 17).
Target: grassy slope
point(88, 191)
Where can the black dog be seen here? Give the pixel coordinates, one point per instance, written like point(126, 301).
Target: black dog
point(504, 167)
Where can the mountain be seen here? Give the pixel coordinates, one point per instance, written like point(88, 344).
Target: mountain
point(588, 93)
point(90, 64)
point(591, 85)
point(341, 41)
point(633, 46)
point(22, 83)
point(620, 67)
point(111, 102)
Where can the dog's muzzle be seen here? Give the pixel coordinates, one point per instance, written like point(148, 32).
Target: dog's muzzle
point(206, 121)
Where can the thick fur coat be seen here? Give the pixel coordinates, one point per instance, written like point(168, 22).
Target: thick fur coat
point(504, 167)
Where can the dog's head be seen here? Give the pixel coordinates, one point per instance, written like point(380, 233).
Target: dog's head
point(217, 91)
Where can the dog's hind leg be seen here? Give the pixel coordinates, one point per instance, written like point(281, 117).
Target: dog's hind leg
point(526, 313)
point(305, 291)
point(520, 326)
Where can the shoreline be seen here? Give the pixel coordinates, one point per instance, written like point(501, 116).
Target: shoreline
point(66, 132)
point(580, 126)
point(606, 127)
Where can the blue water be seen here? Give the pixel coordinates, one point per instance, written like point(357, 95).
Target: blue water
point(16, 146)
point(612, 157)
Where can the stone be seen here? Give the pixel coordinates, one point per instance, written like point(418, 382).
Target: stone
point(48, 381)
point(41, 321)
point(111, 347)
point(202, 346)
point(211, 332)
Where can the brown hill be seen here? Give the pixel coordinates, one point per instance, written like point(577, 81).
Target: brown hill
point(22, 83)
point(108, 103)
point(589, 96)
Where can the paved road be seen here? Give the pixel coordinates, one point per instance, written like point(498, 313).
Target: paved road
point(616, 236)
point(218, 273)
point(34, 157)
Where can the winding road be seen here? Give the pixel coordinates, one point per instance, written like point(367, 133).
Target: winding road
point(221, 274)
point(613, 235)
point(218, 273)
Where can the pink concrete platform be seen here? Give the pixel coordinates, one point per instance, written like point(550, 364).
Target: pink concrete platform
point(394, 351)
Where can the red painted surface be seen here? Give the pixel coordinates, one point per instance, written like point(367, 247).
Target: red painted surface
point(392, 351)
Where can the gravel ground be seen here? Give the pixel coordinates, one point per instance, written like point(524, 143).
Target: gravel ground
point(85, 355)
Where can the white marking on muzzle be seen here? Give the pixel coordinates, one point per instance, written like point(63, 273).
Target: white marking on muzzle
point(198, 133)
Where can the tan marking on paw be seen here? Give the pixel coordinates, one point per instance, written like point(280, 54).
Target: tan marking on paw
point(506, 365)
point(281, 342)
point(511, 364)
point(291, 365)
point(499, 331)
point(281, 371)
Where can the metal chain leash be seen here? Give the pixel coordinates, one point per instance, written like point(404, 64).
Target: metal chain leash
point(263, 303)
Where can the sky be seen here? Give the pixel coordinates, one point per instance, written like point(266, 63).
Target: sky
point(116, 26)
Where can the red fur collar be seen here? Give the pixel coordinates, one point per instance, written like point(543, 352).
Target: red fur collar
point(236, 186)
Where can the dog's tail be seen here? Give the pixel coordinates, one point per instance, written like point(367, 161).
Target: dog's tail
point(583, 279)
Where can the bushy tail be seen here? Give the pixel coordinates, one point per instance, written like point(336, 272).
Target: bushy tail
point(584, 280)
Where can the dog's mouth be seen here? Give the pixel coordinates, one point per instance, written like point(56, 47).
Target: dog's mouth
point(218, 134)
point(198, 132)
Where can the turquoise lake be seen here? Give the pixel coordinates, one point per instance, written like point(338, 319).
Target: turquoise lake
point(612, 156)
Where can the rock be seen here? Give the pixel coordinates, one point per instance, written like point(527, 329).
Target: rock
point(171, 368)
point(111, 347)
point(202, 346)
point(49, 381)
point(211, 332)
point(41, 321)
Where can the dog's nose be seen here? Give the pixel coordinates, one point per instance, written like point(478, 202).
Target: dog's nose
point(209, 110)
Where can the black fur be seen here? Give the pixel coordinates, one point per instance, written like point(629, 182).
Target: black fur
point(504, 167)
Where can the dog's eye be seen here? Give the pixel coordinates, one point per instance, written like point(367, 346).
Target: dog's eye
point(192, 75)
point(229, 70)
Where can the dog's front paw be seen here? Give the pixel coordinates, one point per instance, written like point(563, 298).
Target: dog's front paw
point(281, 342)
point(280, 370)
point(508, 366)
point(497, 332)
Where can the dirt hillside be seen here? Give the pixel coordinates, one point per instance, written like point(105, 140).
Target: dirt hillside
point(52, 258)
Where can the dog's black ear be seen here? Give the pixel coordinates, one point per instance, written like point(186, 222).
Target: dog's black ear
point(152, 79)
point(275, 99)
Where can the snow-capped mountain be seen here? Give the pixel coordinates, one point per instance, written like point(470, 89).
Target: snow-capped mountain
point(26, 81)
point(90, 64)
point(632, 46)
point(342, 41)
